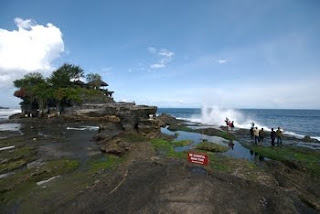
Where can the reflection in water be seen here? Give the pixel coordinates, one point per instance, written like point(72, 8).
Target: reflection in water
point(231, 144)
point(236, 150)
point(256, 156)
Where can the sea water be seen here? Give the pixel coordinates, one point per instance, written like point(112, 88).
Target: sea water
point(298, 123)
point(5, 113)
point(8, 126)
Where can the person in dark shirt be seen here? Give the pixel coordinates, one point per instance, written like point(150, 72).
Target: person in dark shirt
point(273, 136)
point(251, 132)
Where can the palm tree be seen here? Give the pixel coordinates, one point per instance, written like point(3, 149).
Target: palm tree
point(63, 76)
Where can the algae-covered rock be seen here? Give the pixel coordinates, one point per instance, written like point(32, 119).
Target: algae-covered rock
point(182, 143)
point(216, 132)
point(211, 147)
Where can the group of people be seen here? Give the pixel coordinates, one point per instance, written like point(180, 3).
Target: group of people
point(259, 135)
point(229, 123)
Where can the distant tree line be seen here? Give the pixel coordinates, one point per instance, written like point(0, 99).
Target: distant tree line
point(59, 90)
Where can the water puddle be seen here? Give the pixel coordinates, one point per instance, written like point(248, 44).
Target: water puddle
point(10, 127)
point(236, 150)
point(83, 128)
point(308, 145)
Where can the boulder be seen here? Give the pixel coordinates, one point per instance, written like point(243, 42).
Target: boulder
point(308, 139)
point(116, 146)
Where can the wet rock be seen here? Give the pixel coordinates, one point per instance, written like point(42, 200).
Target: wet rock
point(308, 139)
point(35, 164)
point(46, 181)
point(167, 120)
point(211, 147)
point(15, 116)
point(6, 148)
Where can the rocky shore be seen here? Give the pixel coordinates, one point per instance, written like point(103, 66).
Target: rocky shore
point(114, 158)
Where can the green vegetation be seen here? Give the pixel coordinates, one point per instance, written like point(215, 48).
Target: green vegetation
point(108, 162)
point(16, 158)
point(134, 138)
point(60, 90)
point(182, 143)
point(180, 128)
point(211, 147)
point(305, 158)
point(225, 164)
point(218, 133)
point(94, 79)
point(165, 148)
point(17, 186)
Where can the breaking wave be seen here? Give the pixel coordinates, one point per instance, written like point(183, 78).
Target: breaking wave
point(216, 116)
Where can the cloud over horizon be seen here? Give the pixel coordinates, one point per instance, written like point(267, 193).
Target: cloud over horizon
point(31, 48)
point(164, 56)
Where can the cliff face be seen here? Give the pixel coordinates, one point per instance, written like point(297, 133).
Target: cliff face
point(116, 120)
point(130, 116)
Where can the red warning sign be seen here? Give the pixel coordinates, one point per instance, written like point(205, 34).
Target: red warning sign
point(198, 158)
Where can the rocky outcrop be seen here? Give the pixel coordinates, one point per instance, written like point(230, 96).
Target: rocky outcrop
point(115, 119)
point(168, 120)
point(130, 116)
point(115, 146)
point(149, 128)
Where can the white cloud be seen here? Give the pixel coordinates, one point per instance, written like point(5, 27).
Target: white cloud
point(222, 61)
point(156, 66)
point(31, 48)
point(152, 50)
point(24, 24)
point(164, 56)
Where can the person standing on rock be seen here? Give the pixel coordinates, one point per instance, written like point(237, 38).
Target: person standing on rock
point(251, 133)
point(232, 125)
point(227, 121)
point(256, 135)
point(273, 135)
point(279, 136)
point(262, 135)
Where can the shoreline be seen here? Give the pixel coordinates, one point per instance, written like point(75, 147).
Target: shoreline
point(71, 167)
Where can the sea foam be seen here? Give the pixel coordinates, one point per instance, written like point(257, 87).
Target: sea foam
point(216, 116)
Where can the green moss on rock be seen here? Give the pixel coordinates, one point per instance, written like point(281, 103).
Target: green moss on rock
point(303, 158)
point(108, 162)
point(182, 143)
point(180, 128)
point(16, 158)
point(211, 147)
point(165, 148)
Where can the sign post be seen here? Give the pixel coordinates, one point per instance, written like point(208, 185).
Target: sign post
point(198, 158)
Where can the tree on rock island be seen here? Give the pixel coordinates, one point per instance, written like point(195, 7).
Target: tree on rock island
point(60, 90)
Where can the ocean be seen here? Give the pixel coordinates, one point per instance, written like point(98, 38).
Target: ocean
point(5, 113)
point(298, 123)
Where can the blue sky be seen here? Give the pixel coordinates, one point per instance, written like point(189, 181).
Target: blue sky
point(182, 53)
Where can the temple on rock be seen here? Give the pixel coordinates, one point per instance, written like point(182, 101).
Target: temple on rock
point(43, 98)
point(101, 86)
